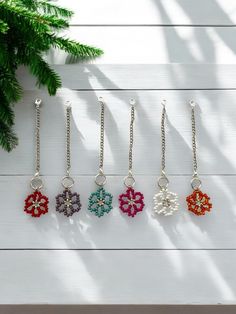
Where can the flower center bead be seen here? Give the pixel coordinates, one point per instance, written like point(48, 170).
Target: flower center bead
point(100, 202)
point(131, 202)
point(68, 202)
point(37, 204)
point(166, 202)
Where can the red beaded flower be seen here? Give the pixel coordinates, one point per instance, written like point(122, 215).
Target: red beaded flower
point(131, 202)
point(36, 204)
point(198, 203)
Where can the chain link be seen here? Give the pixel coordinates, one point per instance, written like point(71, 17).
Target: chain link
point(37, 135)
point(68, 126)
point(101, 155)
point(131, 138)
point(194, 146)
point(163, 137)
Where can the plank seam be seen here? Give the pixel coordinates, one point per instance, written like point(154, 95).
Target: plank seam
point(147, 89)
point(154, 25)
point(123, 174)
point(117, 249)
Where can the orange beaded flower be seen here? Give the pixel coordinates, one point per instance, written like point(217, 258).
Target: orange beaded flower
point(198, 202)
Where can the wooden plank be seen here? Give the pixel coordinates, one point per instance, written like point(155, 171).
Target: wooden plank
point(138, 76)
point(117, 309)
point(215, 127)
point(152, 12)
point(118, 277)
point(184, 230)
point(161, 45)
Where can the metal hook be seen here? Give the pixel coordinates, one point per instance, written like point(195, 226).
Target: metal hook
point(132, 102)
point(68, 104)
point(38, 102)
point(192, 103)
point(163, 102)
point(100, 99)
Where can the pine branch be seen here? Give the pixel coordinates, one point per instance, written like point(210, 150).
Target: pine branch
point(74, 47)
point(6, 112)
point(15, 14)
point(44, 74)
point(58, 11)
point(3, 27)
point(29, 4)
point(8, 139)
point(4, 59)
point(10, 87)
point(19, 16)
point(46, 7)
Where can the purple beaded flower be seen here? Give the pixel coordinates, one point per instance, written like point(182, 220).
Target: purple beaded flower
point(68, 203)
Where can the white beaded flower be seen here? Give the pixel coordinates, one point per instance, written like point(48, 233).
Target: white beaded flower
point(165, 202)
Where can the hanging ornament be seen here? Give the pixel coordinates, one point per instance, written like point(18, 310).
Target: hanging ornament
point(197, 202)
point(67, 202)
point(165, 202)
point(131, 202)
point(100, 201)
point(36, 204)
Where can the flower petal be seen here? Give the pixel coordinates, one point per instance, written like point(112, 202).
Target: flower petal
point(138, 196)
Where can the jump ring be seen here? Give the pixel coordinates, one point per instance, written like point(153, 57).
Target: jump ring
point(67, 182)
point(36, 183)
point(129, 181)
point(163, 182)
point(100, 179)
point(196, 183)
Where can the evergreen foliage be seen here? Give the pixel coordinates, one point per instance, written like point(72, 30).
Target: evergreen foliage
point(28, 29)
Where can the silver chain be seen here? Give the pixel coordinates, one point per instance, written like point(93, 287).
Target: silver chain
point(163, 180)
point(37, 135)
point(194, 146)
point(101, 155)
point(131, 135)
point(100, 178)
point(163, 137)
point(129, 180)
point(195, 182)
point(68, 125)
point(68, 181)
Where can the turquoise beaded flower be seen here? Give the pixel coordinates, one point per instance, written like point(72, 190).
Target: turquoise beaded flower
point(100, 202)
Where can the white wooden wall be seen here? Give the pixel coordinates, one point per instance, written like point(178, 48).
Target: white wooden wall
point(177, 50)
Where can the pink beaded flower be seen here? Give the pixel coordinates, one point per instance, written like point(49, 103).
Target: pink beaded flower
point(131, 202)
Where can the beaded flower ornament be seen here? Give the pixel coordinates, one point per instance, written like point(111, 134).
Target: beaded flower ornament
point(131, 202)
point(36, 204)
point(67, 202)
point(165, 202)
point(197, 202)
point(100, 201)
